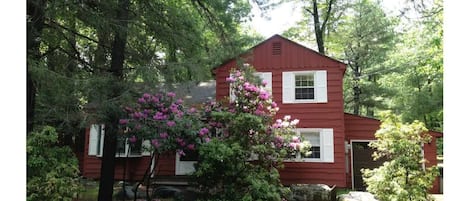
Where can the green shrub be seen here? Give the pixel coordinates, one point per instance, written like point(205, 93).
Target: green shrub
point(403, 177)
point(52, 171)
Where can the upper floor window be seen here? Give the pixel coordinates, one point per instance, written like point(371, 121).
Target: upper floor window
point(264, 76)
point(304, 86)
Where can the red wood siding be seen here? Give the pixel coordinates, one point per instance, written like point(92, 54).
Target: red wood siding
point(363, 128)
point(295, 57)
point(135, 169)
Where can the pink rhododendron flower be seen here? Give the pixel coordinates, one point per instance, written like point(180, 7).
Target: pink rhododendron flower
point(264, 95)
point(295, 139)
point(203, 131)
point(141, 100)
point(179, 101)
point(123, 121)
point(171, 94)
point(180, 152)
point(164, 135)
point(264, 83)
point(230, 79)
point(155, 143)
point(207, 139)
point(146, 95)
point(133, 139)
point(171, 123)
point(191, 146)
point(192, 110)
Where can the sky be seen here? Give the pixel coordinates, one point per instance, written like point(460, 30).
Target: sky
point(287, 14)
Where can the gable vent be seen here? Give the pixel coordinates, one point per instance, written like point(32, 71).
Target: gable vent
point(276, 48)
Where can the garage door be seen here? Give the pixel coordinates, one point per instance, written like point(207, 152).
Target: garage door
point(362, 158)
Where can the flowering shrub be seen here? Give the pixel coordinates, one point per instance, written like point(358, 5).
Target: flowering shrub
point(241, 162)
point(240, 146)
point(162, 119)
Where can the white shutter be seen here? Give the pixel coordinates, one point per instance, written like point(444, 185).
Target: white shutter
point(232, 96)
point(327, 139)
point(320, 86)
point(93, 140)
point(146, 148)
point(288, 87)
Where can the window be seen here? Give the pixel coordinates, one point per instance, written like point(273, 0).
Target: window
point(315, 141)
point(264, 76)
point(304, 86)
point(322, 144)
point(123, 146)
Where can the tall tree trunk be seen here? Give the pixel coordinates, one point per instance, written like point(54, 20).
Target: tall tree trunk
point(317, 28)
point(356, 90)
point(117, 65)
point(320, 28)
point(35, 24)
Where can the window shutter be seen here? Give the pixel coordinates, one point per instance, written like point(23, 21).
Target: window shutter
point(288, 87)
point(93, 140)
point(320, 85)
point(232, 96)
point(327, 140)
point(146, 148)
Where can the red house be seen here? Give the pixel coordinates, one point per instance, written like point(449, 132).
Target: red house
point(306, 85)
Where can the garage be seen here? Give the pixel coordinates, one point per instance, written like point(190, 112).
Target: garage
point(362, 158)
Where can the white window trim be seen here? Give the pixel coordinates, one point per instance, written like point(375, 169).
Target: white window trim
point(320, 86)
point(326, 138)
point(184, 167)
point(95, 137)
point(264, 76)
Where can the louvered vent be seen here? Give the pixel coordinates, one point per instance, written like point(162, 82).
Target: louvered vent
point(276, 48)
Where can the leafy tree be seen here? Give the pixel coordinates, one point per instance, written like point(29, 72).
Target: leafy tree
point(417, 84)
point(52, 171)
point(366, 37)
point(320, 19)
point(94, 54)
point(404, 176)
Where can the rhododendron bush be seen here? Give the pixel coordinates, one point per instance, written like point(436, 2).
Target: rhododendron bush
point(240, 145)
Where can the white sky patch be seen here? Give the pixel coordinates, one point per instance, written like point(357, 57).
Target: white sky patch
point(281, 18)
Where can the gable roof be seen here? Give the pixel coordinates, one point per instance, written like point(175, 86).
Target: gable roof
point(277, 36)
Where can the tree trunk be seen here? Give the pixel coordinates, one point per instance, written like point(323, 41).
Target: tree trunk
point(356, 90)
point(317, 28)
point(320, 28)
point(35, 24)
point(106, 183)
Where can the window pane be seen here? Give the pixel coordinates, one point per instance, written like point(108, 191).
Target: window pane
point(315, 141)
point(315, 152)
point(136, 148)
point(304, 93)
point(120, 147)
point(190, 156)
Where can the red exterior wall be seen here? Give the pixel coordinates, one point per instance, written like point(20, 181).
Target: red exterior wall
point(295, 57)
point(363, 128)
point(136, 166)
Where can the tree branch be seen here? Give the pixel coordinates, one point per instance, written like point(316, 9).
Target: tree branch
point(52, 23)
